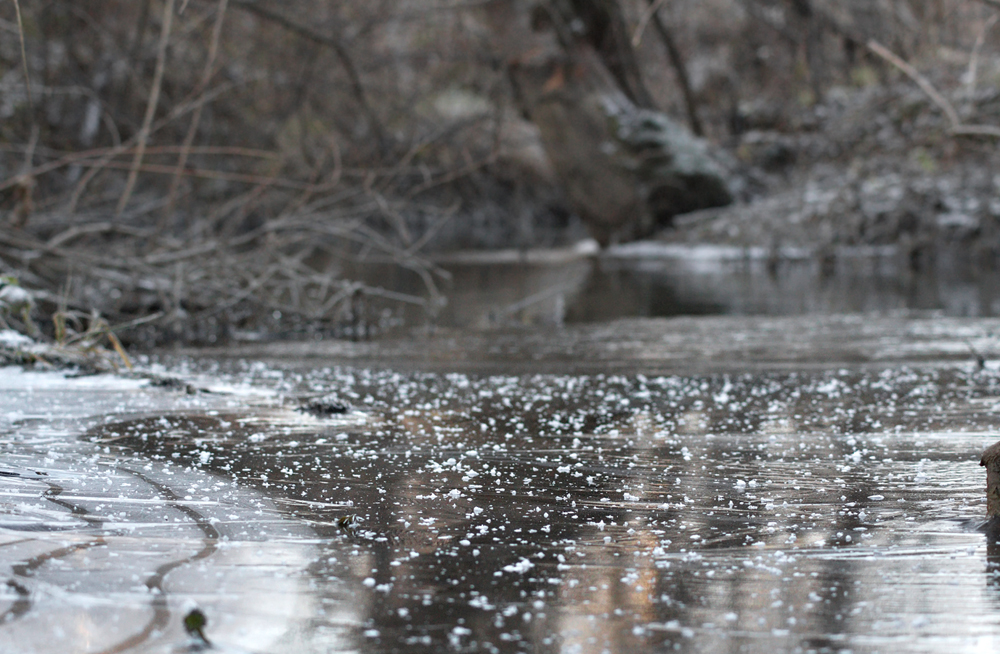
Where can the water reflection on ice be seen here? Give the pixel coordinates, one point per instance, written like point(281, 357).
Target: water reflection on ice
point(652, 278)
point(764, 512)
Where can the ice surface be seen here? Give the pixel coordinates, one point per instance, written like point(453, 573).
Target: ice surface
point(741, 508)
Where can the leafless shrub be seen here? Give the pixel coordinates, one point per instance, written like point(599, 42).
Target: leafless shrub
point(295, 162)
point(216, 162)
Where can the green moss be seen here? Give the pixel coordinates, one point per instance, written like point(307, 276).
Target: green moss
point(864, 76)
point(924, 159)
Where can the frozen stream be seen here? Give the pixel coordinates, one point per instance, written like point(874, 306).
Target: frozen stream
point(723, 484)
point(102, 551)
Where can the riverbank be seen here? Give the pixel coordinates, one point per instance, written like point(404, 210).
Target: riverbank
point(877, 166)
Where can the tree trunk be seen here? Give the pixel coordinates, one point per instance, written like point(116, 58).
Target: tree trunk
point(625, 169)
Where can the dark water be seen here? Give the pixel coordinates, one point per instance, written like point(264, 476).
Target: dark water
point(775, 511)
point(660, 280)
point(727, 483)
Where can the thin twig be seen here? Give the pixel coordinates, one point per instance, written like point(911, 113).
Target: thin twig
point(956, 126)
point(94, 228)
point(24, 55)
point(976, 130)
point(81, 158)
point(429, 233)
point(680, 68)
point(154, 99)
point(167, 169)
point(306, 195)
point(177, 112)
point(339, 49)
point(206, 76)
point(451, 176)
point(921, 81)
point(974, 57)
point(650, 11)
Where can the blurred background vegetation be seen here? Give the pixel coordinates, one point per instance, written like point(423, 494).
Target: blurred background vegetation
point(225, 165)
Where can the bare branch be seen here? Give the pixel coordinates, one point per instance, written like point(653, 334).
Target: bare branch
point(677, 61)
point(956, 126)
point(206, 76)
point(976, 130)
point(338, 48)
point(654, 6)
point(154, 99)
point(24, 55)
point(177, 112)
point(976, 49)
point(921, 81)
